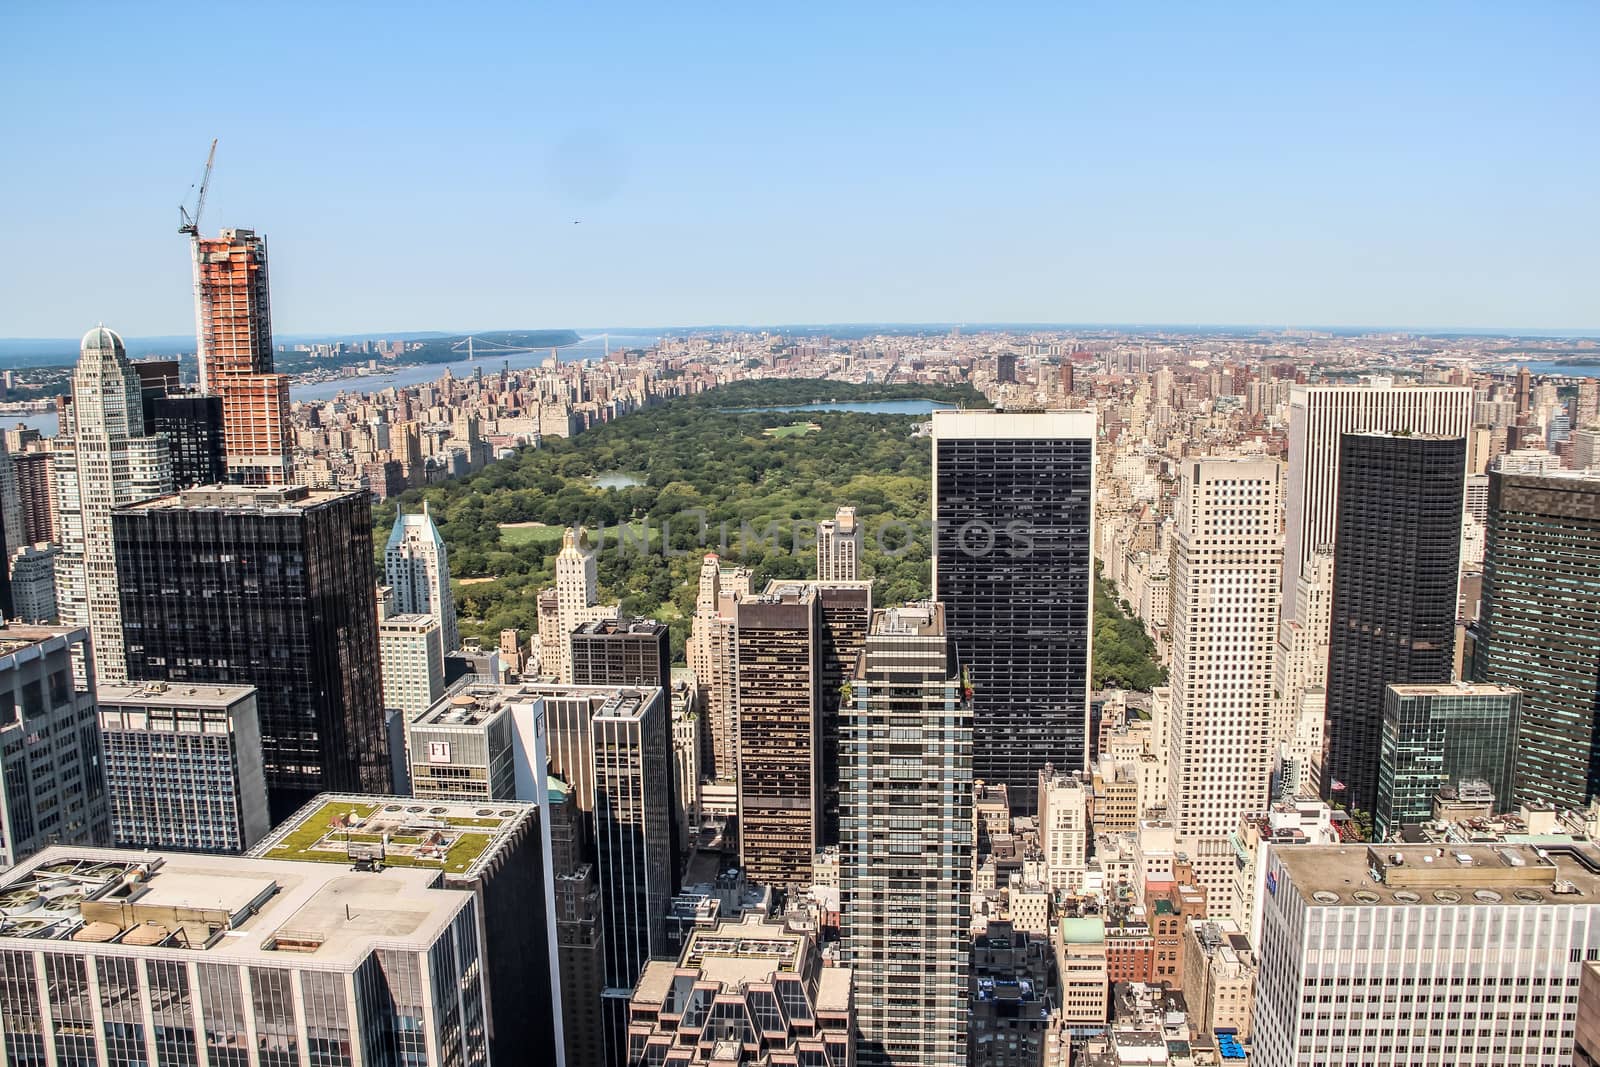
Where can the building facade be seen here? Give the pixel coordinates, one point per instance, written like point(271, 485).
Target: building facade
point(417, 568)
point(33, 583)
point(906, 849)
point(411, 654)
point(103, 459)
point(252, 961)
point(839, 542)
point(631, 652)
point(233, 318)
point(1437, 735)
point(183, 766)
point(1013, 511)
point(1393, 954)
point(1539, 629)
point(1396, 571)
point(1319, 415)
point(53, 789)
point(1226, 559)
point(780, 774)
point(270, 587)
point(743, 992)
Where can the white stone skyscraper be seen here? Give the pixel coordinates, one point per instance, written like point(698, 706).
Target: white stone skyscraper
point(1225, 561)
point(577, 595)
point(906, 841)
point(417, 568)
point(839, 547)
point(103, 459)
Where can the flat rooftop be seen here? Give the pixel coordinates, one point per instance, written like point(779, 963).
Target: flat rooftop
point(239, 908)
point(456, 837)
point(174, 694)
point(241, 497)
point(1456, 689)
point(15, 637)
point(910, 620)
point(1454, 874)
point(736, 953)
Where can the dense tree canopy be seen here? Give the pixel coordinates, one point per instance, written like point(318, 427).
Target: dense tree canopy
point(711, 477)
point(1124, 655)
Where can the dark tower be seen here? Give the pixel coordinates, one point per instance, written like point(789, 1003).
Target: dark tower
point(270, 587)
point(1013, 506)
point(1539, 630)
point(1396, 565)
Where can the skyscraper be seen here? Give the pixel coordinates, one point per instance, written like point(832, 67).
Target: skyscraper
point(1436, 736)
point(710, 651)
point(1396, 568)
point(1013, 508)
point(33, 477)
point(780, 780)
point(271, 587)
point(153, 957)
point(905, 864)
point(577, 602)
point(844, 612)
point(1225, 570)
point(183, 766)
point(839, 547)
point(417, 567)
point(631, 652)
point(50, 774)
point(633, 820)
point(103, 459)
point(1539, 629)
point(191, 424)
point(1318, 416)
point(233, 318)
point(411, 655)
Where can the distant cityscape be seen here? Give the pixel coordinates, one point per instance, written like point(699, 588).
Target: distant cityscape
point(280, 787)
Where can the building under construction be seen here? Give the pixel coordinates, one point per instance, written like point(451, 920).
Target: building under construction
point(234, 330)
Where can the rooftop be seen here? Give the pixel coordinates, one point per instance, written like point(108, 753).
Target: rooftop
point(925, 619)
point(250, 909)
point(456, 837)
point(241, 498)
point(15, 638)
point(220, 697)
point(1455, 689)
point(1409, 875)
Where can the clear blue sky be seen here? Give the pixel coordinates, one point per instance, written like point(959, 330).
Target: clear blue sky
point(416, 166)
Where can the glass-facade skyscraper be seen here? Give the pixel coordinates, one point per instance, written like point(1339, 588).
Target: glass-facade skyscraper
point(1539, 628)
point(270, 587)
point(1438, 735)
point(1396, 554)
point(1013, 511)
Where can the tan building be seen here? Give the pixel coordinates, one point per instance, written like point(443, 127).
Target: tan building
point(1586, 1045)
point(749, 970)
point(1219, 978)
point(1081, 965)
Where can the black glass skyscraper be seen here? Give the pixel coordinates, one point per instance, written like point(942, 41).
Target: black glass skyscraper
point(1396, 562)
point(1013, 516)
point(1539, 628)
point(270, 587)
point(192, 425)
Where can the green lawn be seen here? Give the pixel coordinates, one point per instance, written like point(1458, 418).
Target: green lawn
point(517, 535)
point(794, 429)
point(316, 828)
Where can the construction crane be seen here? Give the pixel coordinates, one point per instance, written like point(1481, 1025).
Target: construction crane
point(190, 227)
point(191, 223)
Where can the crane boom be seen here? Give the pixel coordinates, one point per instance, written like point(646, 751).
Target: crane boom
point(191, 223)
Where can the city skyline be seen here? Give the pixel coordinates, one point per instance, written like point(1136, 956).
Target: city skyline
point(1208, 167)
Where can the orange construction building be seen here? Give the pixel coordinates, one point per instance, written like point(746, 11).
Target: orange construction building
point(234, 331)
